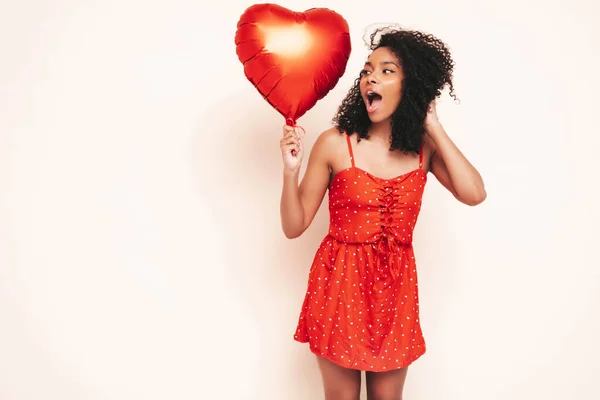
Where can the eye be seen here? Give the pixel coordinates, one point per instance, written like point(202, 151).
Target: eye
point(388, 71)
point(364, 72)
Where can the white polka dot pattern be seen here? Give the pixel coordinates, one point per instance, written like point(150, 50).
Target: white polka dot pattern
point(361, 307)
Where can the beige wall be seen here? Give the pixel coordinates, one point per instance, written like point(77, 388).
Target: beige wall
point(141, 255)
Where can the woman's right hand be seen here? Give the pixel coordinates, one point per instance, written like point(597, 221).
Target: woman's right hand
point(292, 149)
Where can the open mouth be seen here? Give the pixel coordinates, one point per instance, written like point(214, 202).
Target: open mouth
point(373, 100)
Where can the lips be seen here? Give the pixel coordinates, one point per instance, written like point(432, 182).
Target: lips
point(373, 100)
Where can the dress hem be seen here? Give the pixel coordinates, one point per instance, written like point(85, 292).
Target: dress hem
point(362, 366)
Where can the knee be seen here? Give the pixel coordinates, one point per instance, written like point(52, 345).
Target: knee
point(342, 394)
point(384, 394)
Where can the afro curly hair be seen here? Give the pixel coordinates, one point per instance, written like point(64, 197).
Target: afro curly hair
point(428, 67)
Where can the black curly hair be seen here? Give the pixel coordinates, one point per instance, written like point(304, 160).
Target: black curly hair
point(427, 66)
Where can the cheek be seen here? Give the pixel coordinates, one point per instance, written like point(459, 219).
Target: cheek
point(394, 98)
point(362, 84)
point(394, 95)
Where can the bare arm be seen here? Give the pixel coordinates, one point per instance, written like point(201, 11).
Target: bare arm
point(300, 202)
point(450, 166)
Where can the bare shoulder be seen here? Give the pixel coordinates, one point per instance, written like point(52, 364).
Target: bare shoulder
point(330, 139)
point(328, 144)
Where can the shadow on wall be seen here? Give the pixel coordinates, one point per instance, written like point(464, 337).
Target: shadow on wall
point(240, 176)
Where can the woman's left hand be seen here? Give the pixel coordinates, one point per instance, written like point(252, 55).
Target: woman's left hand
point(431, 120)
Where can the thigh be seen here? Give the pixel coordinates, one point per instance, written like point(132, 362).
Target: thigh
point(386, 385)
point(339, 383)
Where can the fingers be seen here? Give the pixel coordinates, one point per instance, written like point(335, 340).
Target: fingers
point(293, 150)
point(290, 139)
point(291, 142)
point(432, 105)
point(295, 130)
point(291, 136)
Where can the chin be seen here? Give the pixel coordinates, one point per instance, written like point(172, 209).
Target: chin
point(377, 119)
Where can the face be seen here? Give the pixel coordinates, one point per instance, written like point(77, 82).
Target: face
point(381, 84)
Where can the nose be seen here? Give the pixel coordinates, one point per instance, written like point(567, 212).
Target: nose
point(371, 78)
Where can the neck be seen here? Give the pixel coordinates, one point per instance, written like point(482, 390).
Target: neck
point(381, 130)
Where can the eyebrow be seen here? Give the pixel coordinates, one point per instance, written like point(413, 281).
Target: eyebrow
point(368, 63)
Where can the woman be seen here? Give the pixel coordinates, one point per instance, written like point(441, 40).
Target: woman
point(361, 310)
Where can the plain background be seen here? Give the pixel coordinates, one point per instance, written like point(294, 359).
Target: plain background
point(141, 254)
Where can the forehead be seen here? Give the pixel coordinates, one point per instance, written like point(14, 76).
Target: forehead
point(381, 55)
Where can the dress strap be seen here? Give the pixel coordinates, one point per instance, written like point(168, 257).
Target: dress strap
point(350, 149)
point(421, 157)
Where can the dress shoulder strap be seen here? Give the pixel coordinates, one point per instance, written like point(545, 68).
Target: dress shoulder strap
point(421, 157)
point(350, 149)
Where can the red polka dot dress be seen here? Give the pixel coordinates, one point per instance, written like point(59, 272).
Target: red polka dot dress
point(361, 308)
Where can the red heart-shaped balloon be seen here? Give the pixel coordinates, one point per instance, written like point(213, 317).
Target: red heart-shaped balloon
point(292, 58)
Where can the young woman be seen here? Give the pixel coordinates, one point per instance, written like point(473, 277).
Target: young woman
point(361, 310)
